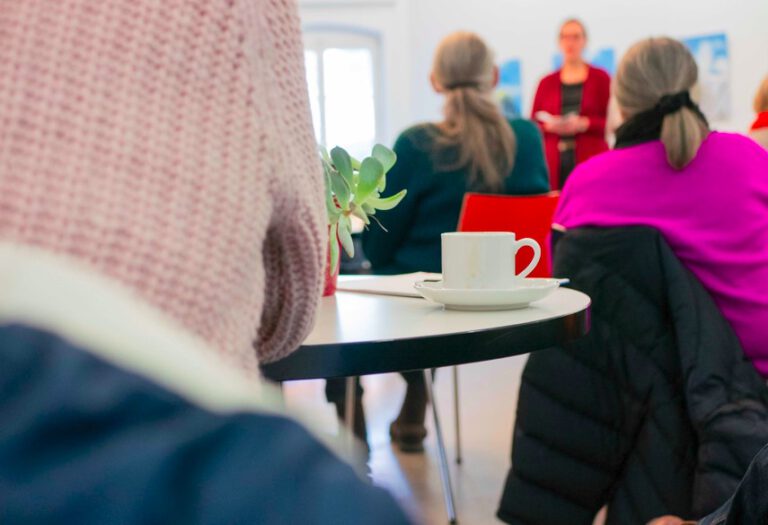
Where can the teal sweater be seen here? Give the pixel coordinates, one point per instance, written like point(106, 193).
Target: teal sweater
point(411, 241)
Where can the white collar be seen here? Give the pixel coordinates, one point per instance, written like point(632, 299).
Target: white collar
point(61, 295)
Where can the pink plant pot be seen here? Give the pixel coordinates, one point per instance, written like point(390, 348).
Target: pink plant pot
point(331, 275)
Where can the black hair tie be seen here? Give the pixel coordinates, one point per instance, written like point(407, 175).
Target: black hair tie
point(457, 85)
point(646, 125)
point(671, 103)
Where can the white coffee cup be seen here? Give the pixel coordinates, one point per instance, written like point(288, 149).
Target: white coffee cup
point(484, 260)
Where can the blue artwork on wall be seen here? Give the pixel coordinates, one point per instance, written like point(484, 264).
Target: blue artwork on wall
point(510, 89)
point(712, 56)
point(604, 58)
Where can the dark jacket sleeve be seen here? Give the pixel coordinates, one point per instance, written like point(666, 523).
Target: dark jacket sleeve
point(530, 174)
point(726, 399)
point(570, 435)
point(381, 241)
point(749, 503)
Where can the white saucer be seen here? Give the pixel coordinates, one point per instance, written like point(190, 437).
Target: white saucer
point(528, 291)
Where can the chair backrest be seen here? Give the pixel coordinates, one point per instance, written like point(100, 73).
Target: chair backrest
point(526, 216)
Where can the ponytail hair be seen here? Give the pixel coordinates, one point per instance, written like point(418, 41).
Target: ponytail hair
point(650, 70)
point(474, 126)
point(682, 133)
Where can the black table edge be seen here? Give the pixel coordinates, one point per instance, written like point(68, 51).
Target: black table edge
point(401, 355)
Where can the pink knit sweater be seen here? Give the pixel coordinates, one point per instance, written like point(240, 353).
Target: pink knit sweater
point(168, 145)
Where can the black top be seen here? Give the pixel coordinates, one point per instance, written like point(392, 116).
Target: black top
point(571, 98)
point(411, 241)
point(571, 103)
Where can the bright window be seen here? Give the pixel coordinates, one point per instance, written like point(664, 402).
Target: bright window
point(342, 75)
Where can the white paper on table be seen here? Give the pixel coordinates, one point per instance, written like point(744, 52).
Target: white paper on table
point(398, 285)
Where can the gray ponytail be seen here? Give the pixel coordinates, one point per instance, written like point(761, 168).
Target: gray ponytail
point(651, 69)
point(474, 125)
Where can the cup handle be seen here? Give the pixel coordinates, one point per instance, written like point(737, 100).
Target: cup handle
point(536, 255)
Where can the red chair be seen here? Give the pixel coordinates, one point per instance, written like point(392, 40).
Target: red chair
point(527, 216)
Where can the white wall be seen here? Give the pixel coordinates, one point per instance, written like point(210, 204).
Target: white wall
point(526, 29)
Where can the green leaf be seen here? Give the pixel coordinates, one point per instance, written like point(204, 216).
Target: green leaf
point(343, 163)
point(330, 204)
point(345, 235)
point(386, 156)
point(389, 202)
point(333, 215)
point(355, 163)
point(341, 190)
point(333, 243)
point(360, 213)
point(371, 172)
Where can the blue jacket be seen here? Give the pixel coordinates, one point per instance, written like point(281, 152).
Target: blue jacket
point(85, 442)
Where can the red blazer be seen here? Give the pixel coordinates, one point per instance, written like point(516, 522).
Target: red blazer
point(760, 122)
point(594, 106)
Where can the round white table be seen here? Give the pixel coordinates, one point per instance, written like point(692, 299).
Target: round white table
point(358, 334)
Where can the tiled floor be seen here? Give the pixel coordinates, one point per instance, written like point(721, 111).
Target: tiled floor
point(488, 400)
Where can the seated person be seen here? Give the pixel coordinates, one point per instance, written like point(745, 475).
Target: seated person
point(657, 411)
point(474, 148)
point(707, 192)
point(152, 250)
point(759, 129)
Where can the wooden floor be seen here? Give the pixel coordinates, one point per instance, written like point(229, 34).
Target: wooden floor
point(488, 400)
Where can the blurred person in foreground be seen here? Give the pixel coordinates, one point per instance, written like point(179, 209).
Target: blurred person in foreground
point(663, 405)
point(162, 231)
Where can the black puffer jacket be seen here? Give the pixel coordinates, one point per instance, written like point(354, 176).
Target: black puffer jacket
point(655, 412)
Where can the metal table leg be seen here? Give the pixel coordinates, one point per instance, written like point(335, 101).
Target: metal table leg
point(350, 393)
point(445, 474)
point(456, 413)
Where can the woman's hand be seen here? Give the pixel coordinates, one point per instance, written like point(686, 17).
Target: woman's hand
point(567, 126)
point(559, 126)
point(582, 123)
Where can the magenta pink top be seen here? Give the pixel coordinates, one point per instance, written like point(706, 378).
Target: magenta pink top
point(713, 213)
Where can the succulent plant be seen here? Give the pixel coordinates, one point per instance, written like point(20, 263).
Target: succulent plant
point(353, 188)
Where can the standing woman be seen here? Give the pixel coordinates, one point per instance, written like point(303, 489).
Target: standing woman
point(759, 129)
point(571, 106)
